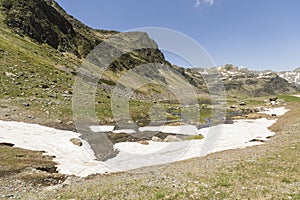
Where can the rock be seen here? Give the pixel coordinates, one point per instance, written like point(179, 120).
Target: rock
point(242, 103)
point(156, 139)
point(257, 140)
point(59, 121)
point(6, 144)
point(71, 180)
point(9, 196)
point(54, 187)
point(273, 99)
point(53, 96)
point(10, 75)
point(70, 123)
point(233, 106)
point(44, 86)
point(143, 142)
point(25, 104)
point(76, 142)
point(67, 92)
point(172, 138)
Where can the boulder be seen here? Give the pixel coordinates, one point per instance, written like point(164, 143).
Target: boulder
point(172, 138)
point(76, 142)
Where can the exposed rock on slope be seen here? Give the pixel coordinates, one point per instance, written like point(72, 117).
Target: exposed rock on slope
point(242, 81)
point(292, 77)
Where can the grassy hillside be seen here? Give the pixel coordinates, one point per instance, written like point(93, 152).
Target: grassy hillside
point(37, 77)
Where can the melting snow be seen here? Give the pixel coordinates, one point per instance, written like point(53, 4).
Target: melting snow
point(81, 161)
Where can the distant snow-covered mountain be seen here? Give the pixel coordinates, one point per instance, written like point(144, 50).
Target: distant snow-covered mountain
point(291, 76)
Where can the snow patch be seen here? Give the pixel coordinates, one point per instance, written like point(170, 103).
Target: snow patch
point(275, 111)
point(97, 129)
point(80, 161)
point(184, 130)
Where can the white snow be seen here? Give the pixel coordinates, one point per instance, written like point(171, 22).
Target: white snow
point(277, 111)
point(81, 161)
point(229, 136)
point(128, 131)
point(298, 95)
point(71, 159)
point(184, 129)
point(97, 129)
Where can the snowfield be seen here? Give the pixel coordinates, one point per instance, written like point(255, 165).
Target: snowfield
point(80, 161)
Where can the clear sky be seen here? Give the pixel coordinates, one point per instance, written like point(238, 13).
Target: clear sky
point(259, 34)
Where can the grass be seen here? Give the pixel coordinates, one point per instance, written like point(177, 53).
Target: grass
point(15, 160)
point(289, 98)
point(195, 137)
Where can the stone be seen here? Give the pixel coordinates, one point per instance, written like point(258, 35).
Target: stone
point(233, 106)
point(172, 138)
point(273, 99)
point(76, 142)
point(53, 96)
point(10, 75)
point(25, 104)
point(242, 103)
point(59, 121)
point(143, 142)
point(70, 123)
point(156, 139)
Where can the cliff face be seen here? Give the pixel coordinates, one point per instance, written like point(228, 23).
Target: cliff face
point(43, 23)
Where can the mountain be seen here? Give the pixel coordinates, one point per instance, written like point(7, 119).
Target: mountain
point(42, 48)
point(246, 82)
point(292, 77)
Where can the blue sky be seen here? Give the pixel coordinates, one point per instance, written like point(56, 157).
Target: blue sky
point(259, 34)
